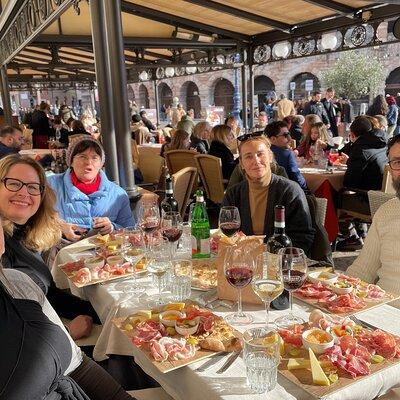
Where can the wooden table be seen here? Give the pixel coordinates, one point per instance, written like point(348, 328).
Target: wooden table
point(316, 176)
point(154, 148)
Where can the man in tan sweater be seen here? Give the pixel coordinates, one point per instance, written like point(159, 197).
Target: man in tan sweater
point(379, 260)
point(285, 107)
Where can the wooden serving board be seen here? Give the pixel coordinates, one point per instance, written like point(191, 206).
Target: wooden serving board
point(167, 366)
point(70, 276)
point(303, 377)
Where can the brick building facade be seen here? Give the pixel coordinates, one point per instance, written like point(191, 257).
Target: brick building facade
point(207, 86)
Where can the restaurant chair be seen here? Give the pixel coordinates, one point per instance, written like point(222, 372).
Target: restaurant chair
point(321, 248)
point(376, 198)
point(135, 153)
point(183, 182)
point(178, 159)
point(150, 394)
point(151, 166)
point(210, 171)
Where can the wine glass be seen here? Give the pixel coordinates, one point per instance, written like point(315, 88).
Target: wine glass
point(239, 270)
point(133, 249)
point(149, 220)
point(158, 266)
point(267, 282)
point(294, 272)
point(229, 220)
point(171, 228)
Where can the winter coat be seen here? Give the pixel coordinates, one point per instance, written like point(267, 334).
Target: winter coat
point(392, 114)
point(78, 208)
point(219, 149)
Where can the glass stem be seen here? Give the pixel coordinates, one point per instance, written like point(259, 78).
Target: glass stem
point(134, 276)
point(239, 311)
point(159, 289)
point(171, 251)
point(291, 302)
point(267, 305)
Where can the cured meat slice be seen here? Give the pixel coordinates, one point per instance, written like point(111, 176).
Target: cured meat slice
point(314, 291)
point(171, 348)
point(148, 331)
point(345, 303)
point(82, 276)
point(375, 292)
point(73, 266)
point(292, 335)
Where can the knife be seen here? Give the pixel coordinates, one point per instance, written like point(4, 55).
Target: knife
point(229, 362)
point(209, 363)
point(363, 323)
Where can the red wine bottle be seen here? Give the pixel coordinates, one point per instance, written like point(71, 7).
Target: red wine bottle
point(169, 202)
point(277, 241)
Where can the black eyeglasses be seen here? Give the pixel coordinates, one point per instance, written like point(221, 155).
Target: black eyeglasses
point(286, 135)
point(394, 165)
point(247, 136)
point(15, 185)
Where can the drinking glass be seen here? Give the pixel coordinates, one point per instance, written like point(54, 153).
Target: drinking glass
point(133, 249)
point(267, 283)
point(158, 265)
point(181, 280)
point(333, 156)
point(261, 357)
point(294, 272)
point(171, 228)
point(229, 220)
point(149, 221)
point(239, 270)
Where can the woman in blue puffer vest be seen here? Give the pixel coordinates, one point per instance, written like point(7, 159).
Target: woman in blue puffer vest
point(86, 199)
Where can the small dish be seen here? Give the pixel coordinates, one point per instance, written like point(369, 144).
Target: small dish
point(187, 327)
point(341, 287)
point(94, 262)
point(325, 278)
point(338, 331)
point(317, 340)
point(115, 260)
point(168, 318)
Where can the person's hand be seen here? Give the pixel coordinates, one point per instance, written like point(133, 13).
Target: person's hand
point(328, 126)
point(343, 158)
point(80, 327)
point(72, 232)
point(103, 224)
point(321, 144)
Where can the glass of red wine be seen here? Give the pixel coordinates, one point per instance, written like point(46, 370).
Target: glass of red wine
point(149, 220)
point(239, 269)
point(229, 220)
point(294, 273)
point(171, 228)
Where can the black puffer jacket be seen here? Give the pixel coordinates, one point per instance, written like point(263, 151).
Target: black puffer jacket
point(219, 149)
point(367, 161)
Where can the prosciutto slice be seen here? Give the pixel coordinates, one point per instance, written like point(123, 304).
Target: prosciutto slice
point(314, 291)
point(292, 335)
point(344, 303)
point(171, 348)
point(148, 331)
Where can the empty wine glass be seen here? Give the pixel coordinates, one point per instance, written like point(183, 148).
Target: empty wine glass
point(149, 220)
point(133, 249)
point(239, 270)
point(229, 220)
point(171, 228)
point(294, 272)
point(267, 283)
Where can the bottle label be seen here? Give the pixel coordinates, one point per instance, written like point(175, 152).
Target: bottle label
point(169, 191)
point(199, 199)
point(205, 246)
point(279, 224)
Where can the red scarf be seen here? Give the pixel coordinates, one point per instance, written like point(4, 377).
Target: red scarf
point(87, 188)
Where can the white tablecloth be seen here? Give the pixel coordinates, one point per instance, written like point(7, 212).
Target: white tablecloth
point(185, 383)
point(316, 176)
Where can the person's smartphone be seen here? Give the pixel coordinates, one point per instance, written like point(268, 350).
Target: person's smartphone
point(91, 232)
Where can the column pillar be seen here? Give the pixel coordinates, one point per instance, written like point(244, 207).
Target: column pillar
point(104, 89)
point(5, 95)
point(157, 100)
point(236, 92)
point(251, 87)
point(244, 96)
point(115, 47)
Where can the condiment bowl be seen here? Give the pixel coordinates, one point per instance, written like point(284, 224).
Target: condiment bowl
point(325, 278)
point(94, 262)
point(312, 340)
point(168, 318)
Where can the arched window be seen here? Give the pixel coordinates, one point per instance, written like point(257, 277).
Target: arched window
point(304, 84)
point(165, 94)
point(131, 93)
point(190, 92)
point(223, 95)
point(393, 82)
point(144, 101)
point(264, 88)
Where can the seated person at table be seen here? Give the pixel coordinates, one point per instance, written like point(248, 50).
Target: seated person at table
point(180, 141)
point(315, 141)
point(296, 128)
point(279, 136)
point(39, 358)
point(86, 199)
point(148, 124)
point(59, 126)
point(309, 121)
point(222, 137)
point(140, 132)
point(261, 191)
point(200, 137)
point(365, 165)
point(11, 139)
point(379, 259)
point(32, 226)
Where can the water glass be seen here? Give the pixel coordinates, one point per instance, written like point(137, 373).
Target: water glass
point(181, 282)
point(261, 357)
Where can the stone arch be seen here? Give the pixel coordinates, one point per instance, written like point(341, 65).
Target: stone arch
point(300, 91)
point(144, 100)
point(165, 94)
point(131, 93)
point(191, 98)
point(264, 87)
point(223, 94)
point(393, 82)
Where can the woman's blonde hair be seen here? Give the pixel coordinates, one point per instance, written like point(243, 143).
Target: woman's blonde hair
point(43, 229)
point(200, 128)
point(309, 120)
point(221, 133)
point(178, 140)
point(261, 139)
point(322, 132)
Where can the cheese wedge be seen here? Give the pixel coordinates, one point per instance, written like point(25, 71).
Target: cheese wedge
point(144, 313)
point(303, 363)
point(318, 374)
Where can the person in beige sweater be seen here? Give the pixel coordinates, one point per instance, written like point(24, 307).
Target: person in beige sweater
point(379, 260)
point(285, 107)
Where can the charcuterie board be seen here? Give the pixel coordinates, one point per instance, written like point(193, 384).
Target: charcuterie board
point(343, 295)
point(156, 335)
